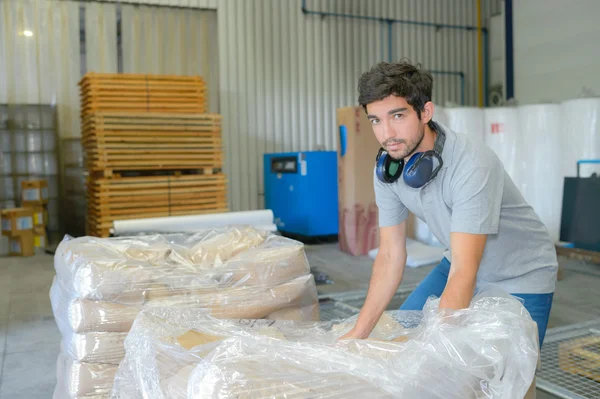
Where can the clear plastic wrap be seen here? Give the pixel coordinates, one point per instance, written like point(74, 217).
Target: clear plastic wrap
point(83, 380)
point(275, 301)
point(95, 347)
point(127, 270)
point(102, 284)
point(488, 350)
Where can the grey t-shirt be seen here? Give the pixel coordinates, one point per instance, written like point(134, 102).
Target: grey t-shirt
point(472, 193)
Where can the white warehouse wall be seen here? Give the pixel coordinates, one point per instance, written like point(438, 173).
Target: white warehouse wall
point(556, 50)
point(283, 73)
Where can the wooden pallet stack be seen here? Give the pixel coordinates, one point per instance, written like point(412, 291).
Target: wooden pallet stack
point(142, 93)
point(151, 149)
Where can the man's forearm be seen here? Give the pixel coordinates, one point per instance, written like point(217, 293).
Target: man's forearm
point(385, 279)
point(459, 291)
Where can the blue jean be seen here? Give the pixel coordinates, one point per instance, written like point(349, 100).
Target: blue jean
point(538, 305)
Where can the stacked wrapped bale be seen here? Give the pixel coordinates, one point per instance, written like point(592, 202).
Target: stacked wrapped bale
point(102, 284)
point(487, 350)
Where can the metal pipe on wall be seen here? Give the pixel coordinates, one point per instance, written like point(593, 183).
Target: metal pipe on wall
point(508, 29)
point(479, 55)
point(482, 72)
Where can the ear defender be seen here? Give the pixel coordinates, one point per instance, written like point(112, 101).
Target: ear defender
point(417, 172)
point(387, 169)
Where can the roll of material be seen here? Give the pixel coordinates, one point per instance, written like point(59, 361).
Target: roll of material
point(501, 129)
point(440, 115)
point(260, 219)
point(541, 176)
point(95, 347)
point(580, 132)
point(466, 120)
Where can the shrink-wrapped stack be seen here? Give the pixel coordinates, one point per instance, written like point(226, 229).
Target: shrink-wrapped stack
point(502, 135)
point(487, 350)
point(541, 174)
point(102, 284)
point(466, 120)
point(580, 133)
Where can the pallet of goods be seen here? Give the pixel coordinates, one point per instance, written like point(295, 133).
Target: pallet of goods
point(144, 141)
point(188, 353)
point(101, 285)
point(146, 196)
point(151, 149)
point(142, 93)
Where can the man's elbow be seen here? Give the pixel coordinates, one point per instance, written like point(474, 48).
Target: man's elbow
point(392, 255)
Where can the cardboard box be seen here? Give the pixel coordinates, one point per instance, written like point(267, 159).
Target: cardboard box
point(34, 192)
point(22, 245)
point(39, 220)
point(357, 150)
point(17, 221)
point(39, 239)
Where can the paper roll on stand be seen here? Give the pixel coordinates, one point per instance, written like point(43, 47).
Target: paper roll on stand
point(439, 115)
point(541, 178)
point(466, 120)
point(580, 132)
point(260, 219)
point(502, 135)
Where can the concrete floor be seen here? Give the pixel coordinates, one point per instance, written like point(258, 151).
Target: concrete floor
point(29, 339)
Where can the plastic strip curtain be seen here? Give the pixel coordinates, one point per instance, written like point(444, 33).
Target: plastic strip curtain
point(39, 49)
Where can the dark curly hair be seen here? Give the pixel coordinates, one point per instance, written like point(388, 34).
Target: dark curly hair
point(401, 79)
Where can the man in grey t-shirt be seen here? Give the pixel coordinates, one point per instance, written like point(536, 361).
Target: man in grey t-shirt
point(459, 187)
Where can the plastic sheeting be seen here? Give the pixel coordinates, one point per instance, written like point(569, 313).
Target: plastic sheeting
point(101, 285)
point(466, 120)
point(488, 350)
point(541, 175)
point(501, 127)
point(580, 132)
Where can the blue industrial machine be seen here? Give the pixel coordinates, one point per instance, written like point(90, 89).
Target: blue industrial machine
point(301, 189)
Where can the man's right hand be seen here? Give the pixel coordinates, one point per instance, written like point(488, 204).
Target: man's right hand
point(353, 334)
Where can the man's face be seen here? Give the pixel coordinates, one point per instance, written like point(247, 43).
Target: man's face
point(396, 126)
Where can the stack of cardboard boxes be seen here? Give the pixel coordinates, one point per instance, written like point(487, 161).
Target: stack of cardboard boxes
point(358, 212)
point(26, 226)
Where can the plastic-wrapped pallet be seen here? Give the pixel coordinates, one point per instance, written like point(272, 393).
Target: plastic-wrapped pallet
point(101, 285)
point(488, 350)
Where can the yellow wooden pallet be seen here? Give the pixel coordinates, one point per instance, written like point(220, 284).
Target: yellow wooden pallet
point(147, 141)
point(142, 92)
point(124, 198)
